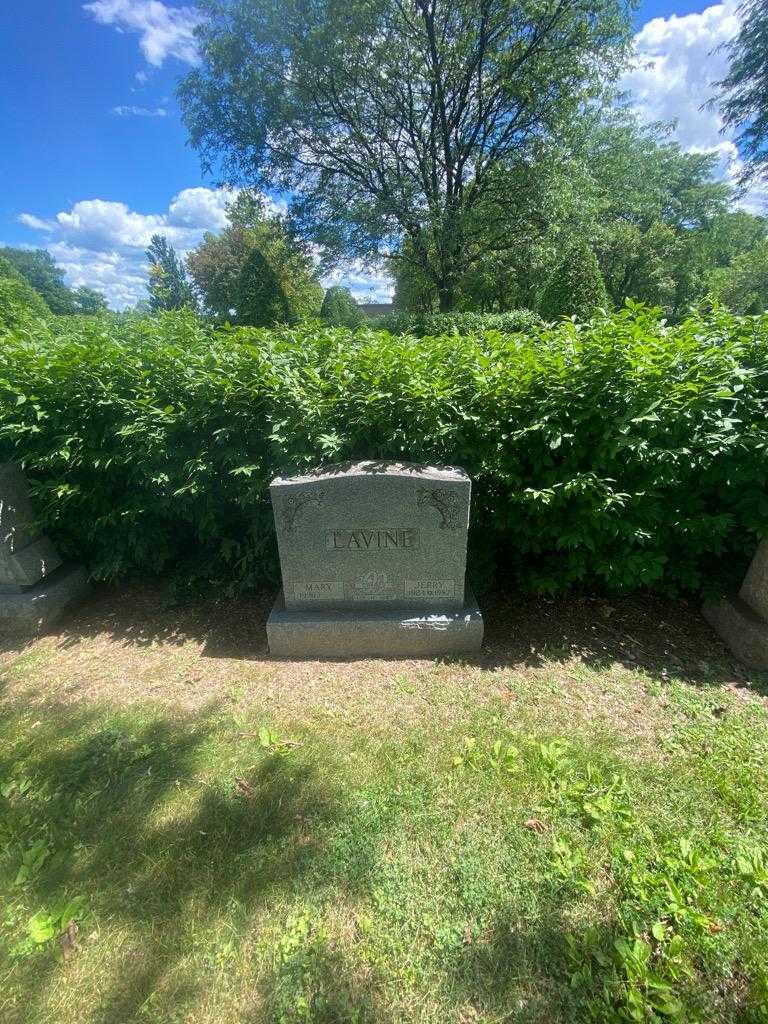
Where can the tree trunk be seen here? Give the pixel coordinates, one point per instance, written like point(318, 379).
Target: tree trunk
point(449, 272)
point(446, 295)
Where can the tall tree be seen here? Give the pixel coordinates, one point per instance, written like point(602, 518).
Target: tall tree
point(217, 265)
point(39, 268)
point(339, 308)
point(654, 208)
point(88, 300)
point(168, 285)
point(388, 118)
point(18, 299)
point(744, 90)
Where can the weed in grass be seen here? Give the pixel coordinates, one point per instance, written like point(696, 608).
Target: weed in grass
point(404, 685)
point(568, 864)
point(49, 924)
point(471, 756)
point(32, 860)
point(498, 757)
point(504, 757)
point(753, 868)
point(272, 741)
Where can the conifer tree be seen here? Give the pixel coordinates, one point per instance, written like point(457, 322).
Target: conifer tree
point(168, 285)
point(261, 300)
point(576, 288)
point(339, 308)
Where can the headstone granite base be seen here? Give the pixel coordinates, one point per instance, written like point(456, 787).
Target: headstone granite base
point(386, 633)
point(35, 586)
point(31, 610)
point(741, 620)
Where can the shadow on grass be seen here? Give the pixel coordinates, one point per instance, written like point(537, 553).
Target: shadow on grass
point(183, 866)
point(163, 845)
point(140, 616)
point(511, 975)
point(665, 638)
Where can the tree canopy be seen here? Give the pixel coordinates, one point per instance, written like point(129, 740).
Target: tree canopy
point(39, 268)
point(229, 291)
point(655, 217)
point(17, 296)
point(339, 308)
point(389, 118)
point(168, 285)
point(743, 285)
point(88, 300)
point(744, 90)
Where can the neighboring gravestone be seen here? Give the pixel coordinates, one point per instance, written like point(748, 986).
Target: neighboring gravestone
point(35, 586)
point(742, 620)
point(373, 559)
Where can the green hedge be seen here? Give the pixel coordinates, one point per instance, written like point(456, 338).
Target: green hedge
point(613, 456)
point(424, 325)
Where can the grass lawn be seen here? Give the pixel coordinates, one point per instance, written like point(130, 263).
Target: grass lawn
point(570, 827)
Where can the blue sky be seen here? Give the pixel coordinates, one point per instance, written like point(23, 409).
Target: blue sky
point(94, 156)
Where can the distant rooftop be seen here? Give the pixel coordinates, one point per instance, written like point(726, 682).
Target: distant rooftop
point(377, 308)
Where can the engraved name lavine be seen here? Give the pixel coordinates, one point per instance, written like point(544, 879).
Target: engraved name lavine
point(371, 540)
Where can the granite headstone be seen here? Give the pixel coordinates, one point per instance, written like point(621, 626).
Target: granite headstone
point(742, 619)
point(373, 561)
point(35, 585)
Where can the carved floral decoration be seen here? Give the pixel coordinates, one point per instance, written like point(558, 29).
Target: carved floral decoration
point(294, 504)
point(447, 504)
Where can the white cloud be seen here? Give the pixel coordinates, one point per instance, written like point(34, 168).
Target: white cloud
point(37, 223)
point(118, 275)
point(194, 207)
point(101, 243)
point(130, 111)
point(679, 60)
point(367, 283)
point(98, 223)
point(163, 31)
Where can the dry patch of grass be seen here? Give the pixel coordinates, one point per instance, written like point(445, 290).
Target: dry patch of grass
point(585, 661)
